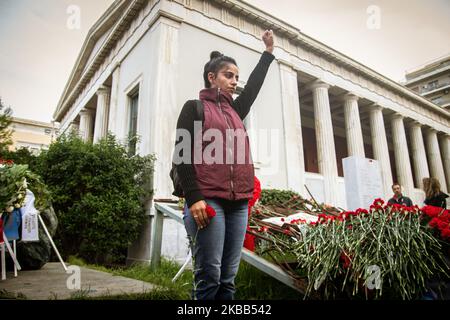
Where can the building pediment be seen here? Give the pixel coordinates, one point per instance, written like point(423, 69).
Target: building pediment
point(248, 19)
point(95, 40)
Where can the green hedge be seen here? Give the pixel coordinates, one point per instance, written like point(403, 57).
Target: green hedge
point(98, 192)
point(276, 197)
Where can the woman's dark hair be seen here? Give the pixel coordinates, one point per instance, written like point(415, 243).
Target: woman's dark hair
point(217, 62)
point(432, 187)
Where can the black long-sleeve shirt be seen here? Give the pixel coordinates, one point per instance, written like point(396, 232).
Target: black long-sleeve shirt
point(437, 201)
point(404, 201)
point(188, 115)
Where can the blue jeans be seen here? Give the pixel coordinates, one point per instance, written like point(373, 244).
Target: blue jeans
point(216, 249)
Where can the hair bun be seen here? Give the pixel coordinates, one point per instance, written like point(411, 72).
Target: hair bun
point(215, 54)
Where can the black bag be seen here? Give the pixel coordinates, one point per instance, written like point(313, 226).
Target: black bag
point(178, 190)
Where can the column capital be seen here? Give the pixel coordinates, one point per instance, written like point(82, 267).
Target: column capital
point(415, 123)
point(103, 90)
point(430, 130)
point(87, 112)
point(375, 107)
point(397, 116)
point(349, 97)
point(318, 84)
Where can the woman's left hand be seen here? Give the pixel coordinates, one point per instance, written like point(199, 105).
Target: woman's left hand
point(267, 37)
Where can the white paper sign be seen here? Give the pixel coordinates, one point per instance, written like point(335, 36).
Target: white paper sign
point(363, 182)
point(279, 221)
point(30, 222)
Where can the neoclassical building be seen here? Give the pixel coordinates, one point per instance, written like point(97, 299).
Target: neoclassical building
point(144, 58)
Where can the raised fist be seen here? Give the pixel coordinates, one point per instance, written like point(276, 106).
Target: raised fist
point(267, 37)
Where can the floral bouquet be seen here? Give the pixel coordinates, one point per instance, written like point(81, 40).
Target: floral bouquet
point(387, 251)
point(14, 180)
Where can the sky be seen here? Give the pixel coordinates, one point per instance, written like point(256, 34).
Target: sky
point(39, 45)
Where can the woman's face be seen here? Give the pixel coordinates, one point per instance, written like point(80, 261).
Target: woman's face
point(226, 78)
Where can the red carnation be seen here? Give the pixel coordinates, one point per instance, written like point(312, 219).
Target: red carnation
point(442, 225)
point(434, 223)
point(361, 211)
point(445, 216)
point(249, 241)
point(210, 211)
point(378, 202)
point(6, 162)
point(445, 234)
point(376, 207)
point(345, 259)
point(432, 211)
point(256, 192)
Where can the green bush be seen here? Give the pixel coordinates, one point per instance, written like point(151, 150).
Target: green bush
point(98, 192)
point(21, 156)
point(275, 196)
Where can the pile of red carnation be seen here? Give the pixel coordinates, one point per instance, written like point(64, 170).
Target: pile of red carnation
point(438, 219)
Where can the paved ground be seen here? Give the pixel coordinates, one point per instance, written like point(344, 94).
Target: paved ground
point(52, 282)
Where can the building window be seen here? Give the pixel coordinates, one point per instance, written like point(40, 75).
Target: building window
point(437, 99)
point(48, 131)
point(133, 115)
point(432, 85)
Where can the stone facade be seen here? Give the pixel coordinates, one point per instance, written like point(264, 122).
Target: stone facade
point(31, 134)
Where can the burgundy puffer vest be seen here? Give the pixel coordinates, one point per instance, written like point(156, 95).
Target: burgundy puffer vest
point(233, 177)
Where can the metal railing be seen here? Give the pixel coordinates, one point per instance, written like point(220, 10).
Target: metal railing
point(430, 88)
point(173, 212)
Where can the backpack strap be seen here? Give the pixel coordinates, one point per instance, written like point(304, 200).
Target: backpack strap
point(199, 111)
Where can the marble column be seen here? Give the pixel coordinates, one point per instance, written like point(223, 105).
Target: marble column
point(114, 114)
point(355, 143)
point(326, 151)
point(445, 148)
point(158, 118)
point(434, 157)
point(380, 148)
point(73, 127)
point(293, 140)
point(402, 162)
point(419, 155)
point(101, 116)
point(86, 124)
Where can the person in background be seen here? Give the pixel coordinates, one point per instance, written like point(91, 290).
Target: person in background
point(437, 289)
point(433, 194)
point(398, 197)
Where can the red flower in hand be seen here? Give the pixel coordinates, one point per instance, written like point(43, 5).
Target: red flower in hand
point(210, 211)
